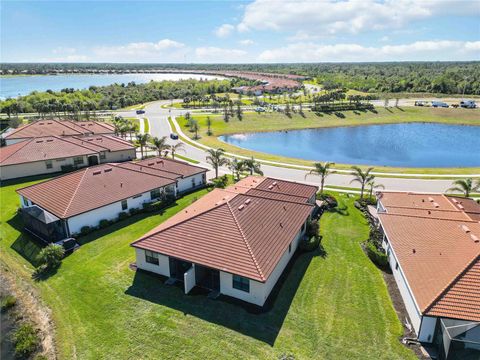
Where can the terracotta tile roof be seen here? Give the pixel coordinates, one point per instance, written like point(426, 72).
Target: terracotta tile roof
point(231, 230)
point(173, 166)
point(280, 189)
point(54, 147)
point(469, 206)
point(462, 298)
point(436, 247)
point(90, 188)
point(59, 128)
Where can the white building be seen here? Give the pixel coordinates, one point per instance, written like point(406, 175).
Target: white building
point(433, 246)
point(236, 242)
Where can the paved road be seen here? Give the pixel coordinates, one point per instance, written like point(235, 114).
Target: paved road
point(159, 126)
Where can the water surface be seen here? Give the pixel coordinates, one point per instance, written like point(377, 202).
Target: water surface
point(399, 145)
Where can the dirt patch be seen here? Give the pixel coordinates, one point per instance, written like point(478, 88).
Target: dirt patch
point(31, 308)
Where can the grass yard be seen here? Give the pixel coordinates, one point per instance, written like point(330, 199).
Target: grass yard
point(332, 306)
point(253, 122)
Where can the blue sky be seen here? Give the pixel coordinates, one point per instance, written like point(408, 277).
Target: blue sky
point(239, 31)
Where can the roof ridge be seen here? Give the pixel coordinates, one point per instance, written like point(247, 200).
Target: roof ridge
point(68, 139)
point(454, 281)
point(289, 181)
point(246, 242)
point(174, 160)
point(118, 165)
point(75, 192)
point(25, 143)
point(68, 124)
point(116, 138)
point(100, 123)
point(20, 128)
point(417, 208)
point(469, 220)
point(280, 200)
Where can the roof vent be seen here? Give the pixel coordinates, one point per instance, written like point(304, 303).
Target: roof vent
point(281, 225)
point(97, 172)
point(474, 238)
point(39, 141)
point(460, 207)
point(270, 187)
point(151, 164)
point(465, 228)
point(121, 184)
point(248, 201)
point(274, 183)
point(430, 199)
point(455, 200)
point(49, 140)
point(429, 212)
point(241, 207)
point(414, 251)
point(436, 205)
point(108, 170)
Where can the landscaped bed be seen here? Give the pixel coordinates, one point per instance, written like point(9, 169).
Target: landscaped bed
point(332, 305)
point(253, 122)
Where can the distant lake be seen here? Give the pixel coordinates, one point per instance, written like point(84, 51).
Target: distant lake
point(399, 145)
point(13, 86)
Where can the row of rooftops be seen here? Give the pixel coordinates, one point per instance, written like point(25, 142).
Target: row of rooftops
point(41, 128)
point(93, 187)
point(56, 147)
point(243, 229)
point(436, 240)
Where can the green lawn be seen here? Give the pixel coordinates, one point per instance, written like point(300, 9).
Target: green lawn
point(329, 307)
point(253, 122)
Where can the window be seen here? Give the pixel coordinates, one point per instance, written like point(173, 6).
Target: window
point(396, 266)
point(151, 257)
point(124, 205)
point(289, 248)
point(193, 182)
point(241, 283)
point(78, 160)
point(204, 178)
point(25, 201)
point(103, 156)
point(155, 194)
point(48, 164)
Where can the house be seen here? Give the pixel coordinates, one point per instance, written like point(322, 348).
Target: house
point(50, 154)
point(42, 128)
point(433, 246)
point(235, 241)
point(82, 198)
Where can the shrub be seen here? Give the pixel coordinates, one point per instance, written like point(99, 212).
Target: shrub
point(85, 230)
point(7, 302)
point(310, 243)
point(377, 256)
point(312, 228)
point(330, 200)
point(26, 340)
point(104, 223)
point(220, 182)
point(133, 211)
point(154, 206)
point(51, 255)
point(122, 215)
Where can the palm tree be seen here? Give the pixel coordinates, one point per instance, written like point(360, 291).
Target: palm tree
point(160, 144)
point(216, 159)
point(465, 186)
point(175, 148)
point(236, 166)
point(322, 170)
point(142, 141)
point(209, 126)
point(253, 166)
point(362, 177)
point(374, 185)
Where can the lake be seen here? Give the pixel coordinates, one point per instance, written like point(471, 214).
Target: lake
point(13, 86)
point(398, 145)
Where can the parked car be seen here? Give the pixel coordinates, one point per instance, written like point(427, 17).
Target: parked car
point(140, 112)
point(259, 109)
point(439, 104)
point(468, 104)
point(420, 103)
point(69, 244)
point(174, 136)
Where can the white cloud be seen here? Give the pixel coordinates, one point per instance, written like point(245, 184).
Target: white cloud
point(349, 16)
point(384, 38)
point(224, 30)
point(246, 42)
point(65, 54)
point(216, 54)
point(419, 50)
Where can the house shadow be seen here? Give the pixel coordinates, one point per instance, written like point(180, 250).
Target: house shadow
point(25, 245)
point(261, 323)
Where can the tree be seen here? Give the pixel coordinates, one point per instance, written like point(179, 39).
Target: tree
point(51, 256)
point(322, 170)
point(253, 166)
point(373, 185)
point(362, 177)
point(216, 159)
point(236, 166)
point(465, 186)
point(209, 126)
point(160, 144)
point(175, 148)
point(195, 127)
point(142, 141)
point(239, 112)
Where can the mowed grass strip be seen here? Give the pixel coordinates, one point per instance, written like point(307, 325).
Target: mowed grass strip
point(328, 307)
point(253, 122)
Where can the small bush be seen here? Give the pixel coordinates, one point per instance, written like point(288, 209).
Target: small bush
point(330, 200)
point(7, 302)
point(377, 256)
point(85, 230)
point(220, 182)
point(154, 206)
point(51, 256)
point(312, 228)
point(122, 215)
point(310, 243)
point(26, 340)
point(104, 223)
point(133, 211)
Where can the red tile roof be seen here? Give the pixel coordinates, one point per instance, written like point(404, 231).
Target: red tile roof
point(232, 231)
point(54, 147)
point(90, 188)
point(176, 167)
point(436, 242)
point(59, 128)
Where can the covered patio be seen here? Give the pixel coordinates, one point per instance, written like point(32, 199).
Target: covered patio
point(43, 225)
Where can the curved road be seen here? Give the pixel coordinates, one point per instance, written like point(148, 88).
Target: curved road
point(159, 126)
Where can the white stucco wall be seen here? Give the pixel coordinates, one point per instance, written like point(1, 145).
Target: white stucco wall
point(12, 141)
point(108, 212)
point(185, 184)
point(427, 329)
point(163, 267)
point(36, 168)
point(119, 156)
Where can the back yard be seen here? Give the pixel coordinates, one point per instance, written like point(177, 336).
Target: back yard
point(330, 306)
